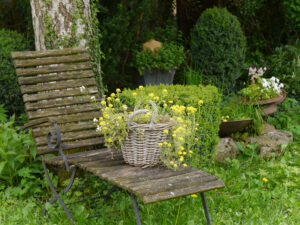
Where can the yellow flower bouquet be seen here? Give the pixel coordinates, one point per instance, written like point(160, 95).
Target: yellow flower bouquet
point(174, 124)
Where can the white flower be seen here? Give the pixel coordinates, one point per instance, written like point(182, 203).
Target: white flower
point(260, 72)
point(95, 120)
point(98, 128)
point(82, 88)
point(93, 97)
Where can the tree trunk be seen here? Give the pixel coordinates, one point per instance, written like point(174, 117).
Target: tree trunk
point(60, 23)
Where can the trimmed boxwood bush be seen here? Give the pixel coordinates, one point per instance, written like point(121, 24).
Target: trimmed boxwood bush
point(218, 47)
point(10, 94)
point(208, 118)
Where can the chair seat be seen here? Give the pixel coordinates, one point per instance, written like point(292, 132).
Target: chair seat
point(152, 184)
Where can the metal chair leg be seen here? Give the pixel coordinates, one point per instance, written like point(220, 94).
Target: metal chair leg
point(56, 195)
point(107, 195)
point(205, 208)
point(135, 208)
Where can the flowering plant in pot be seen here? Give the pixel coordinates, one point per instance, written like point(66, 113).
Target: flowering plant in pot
point(267, 92)
point(171, 125)
point(158, 64)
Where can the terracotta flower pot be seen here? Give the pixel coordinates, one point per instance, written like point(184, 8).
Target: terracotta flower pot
point(269, 106)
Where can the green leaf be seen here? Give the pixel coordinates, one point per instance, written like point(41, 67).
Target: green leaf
point(2, 164)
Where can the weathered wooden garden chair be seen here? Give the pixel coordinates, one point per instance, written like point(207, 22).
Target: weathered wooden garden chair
point(61, 118)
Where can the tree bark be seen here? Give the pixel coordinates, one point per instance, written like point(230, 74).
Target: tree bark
point(57, 21)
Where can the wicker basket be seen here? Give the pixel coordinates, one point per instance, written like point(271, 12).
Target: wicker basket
point(140, 148)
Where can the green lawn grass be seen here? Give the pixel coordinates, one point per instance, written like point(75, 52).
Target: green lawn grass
point(246, 199)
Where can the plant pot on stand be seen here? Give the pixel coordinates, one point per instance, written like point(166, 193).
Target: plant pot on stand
point(156, 76)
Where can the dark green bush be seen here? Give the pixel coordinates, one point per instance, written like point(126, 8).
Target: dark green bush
point(218, 47)
point(208, 118)
point(285, 65)
point(10, 94)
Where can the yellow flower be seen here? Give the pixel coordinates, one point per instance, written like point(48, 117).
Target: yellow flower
point(104, 128)
point(265, 180)
point(171, 102)
point(124, 107)
point(117, 100)
point(113, 95)
point(184, 153)
point(180, 153)
point(191, 152)
point(166, 131)
point(180, 138)
point(110, 105)
point(193, 195)
point(141, 87)
point(100, 118)
point(156, 98)
point(151, 95)
point(181, 148)
point(102, 123)
point(200, 102)
point(109, 140)
point(191, 109)
point(165, 143)
point(103, 102)
point(169, 145)
point(224, 120)
point(181, 159)
point(148, 115)
point(118, 90)
point(175, 165)
point(184, 165)
point(174, 135)
point(134, 94)
point(119, 117)
point(196, 128)
point(196, 139)
point(109, 99)
point(165, 105)
point(160, 144)
point(165, 91)
point(171, 162)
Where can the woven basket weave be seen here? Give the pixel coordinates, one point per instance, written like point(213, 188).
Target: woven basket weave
point(140, 148)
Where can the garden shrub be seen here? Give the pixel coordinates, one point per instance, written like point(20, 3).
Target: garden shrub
point(218, 47)
point(10, 94)
point(208, 118)
point(19, 169)
point(285, 65)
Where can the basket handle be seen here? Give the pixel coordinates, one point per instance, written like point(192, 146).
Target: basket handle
point(141, 111)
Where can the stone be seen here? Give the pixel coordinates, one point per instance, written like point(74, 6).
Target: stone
point(226, 148)
point(272, 143)
point(268, 128)
point(153, 45)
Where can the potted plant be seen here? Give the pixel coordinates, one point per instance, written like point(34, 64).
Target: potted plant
point(158, 64)
point(164, 130)
point(267, 92)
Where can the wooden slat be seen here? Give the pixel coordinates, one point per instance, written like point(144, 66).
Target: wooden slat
point(183, 191)
point(72, 145)
point(47, 53)
point(58, 85)
point(72, 136)
point(170, 183)
point(55, 77)
point(43, 131)
point(58, 94)
point(50, 60)
point(62, 111)
point(53, 69)
point(56, 103)
point(103, 152)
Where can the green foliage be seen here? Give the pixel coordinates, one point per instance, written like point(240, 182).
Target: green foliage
point(285, 64)
point(169, 57)
point(287, 117)
point(10, 94)
point(293, 11)
point(207, 117)
point(218, 46)
point(125, 25)
point(20, 171)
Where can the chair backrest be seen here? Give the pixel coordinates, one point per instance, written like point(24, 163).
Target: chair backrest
point(50, 82)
